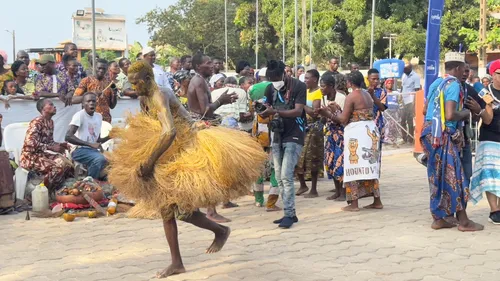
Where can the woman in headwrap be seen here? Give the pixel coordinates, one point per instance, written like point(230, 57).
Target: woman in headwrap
point(183, 77)
point(5, 74)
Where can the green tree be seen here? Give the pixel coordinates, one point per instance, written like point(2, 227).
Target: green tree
point(196, 25)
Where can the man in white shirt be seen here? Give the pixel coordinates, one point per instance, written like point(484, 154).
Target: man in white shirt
point(411, 84)
point(234, 111)
point(84, 133)
point(161, 78)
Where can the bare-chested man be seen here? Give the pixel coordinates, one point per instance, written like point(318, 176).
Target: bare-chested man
point(201, 106)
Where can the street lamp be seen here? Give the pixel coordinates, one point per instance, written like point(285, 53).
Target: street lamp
point(13, 33)
point(390, 37)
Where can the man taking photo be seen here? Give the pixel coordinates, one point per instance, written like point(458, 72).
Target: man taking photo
point(285, 99)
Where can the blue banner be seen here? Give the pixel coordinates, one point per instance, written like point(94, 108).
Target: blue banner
point(432, 42)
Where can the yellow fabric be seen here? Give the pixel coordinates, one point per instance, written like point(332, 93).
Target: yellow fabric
point(312, 96)
point(202, 168)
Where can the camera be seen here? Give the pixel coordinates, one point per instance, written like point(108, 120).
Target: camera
point(277, 125)
point(259, 107)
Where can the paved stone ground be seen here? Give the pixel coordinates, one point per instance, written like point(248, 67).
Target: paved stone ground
point(396, 243)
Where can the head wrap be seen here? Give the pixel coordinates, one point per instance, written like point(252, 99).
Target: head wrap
point(181, 75)
point(215, 78)
point(4, 55)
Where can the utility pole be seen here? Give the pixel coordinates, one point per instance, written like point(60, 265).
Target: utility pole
point(390, 37)
point(94, 54)
point(483, 10)
point(283, 27)
point(296, 35)
point(372, 34)
point(13, 33)
point(311, 34)
point(257, 34)
point(225, 30)
point(303, 30)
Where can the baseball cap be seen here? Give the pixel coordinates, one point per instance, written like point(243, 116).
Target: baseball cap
point(494, 66)
point(46, 58)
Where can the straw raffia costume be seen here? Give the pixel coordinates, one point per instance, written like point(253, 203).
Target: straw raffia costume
point(204, 165)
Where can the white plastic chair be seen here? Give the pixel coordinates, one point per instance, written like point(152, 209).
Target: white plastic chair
point(14, 135)
point(118, 122)
point(105, 129)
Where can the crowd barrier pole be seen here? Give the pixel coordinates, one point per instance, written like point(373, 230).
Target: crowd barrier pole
point(419, 122)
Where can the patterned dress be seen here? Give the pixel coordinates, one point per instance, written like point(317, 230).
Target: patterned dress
point(312, 156)
point(362, 188)
point(34, 155)
point(92, 84)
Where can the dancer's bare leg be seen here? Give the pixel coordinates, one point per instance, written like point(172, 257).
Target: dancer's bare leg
point(215, 217)
point(176, 267)
point(221, 232)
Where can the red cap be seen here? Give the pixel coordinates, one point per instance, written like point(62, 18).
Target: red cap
point(494, 66)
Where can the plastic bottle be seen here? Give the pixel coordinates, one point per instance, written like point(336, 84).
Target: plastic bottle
point(112, 206)
point(40, 198)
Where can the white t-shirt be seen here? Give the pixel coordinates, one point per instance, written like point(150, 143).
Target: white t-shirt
point(234, 109)
point(161, 77)
point(89, 127)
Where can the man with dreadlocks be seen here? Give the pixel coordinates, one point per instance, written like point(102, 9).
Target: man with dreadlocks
point(173, 165)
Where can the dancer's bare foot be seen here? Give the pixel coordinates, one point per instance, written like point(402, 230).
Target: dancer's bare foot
point(374, 206)
point(333, 197)
point(439, 224)
point(302, 190)
point(273, 209)
point(219, 240)
point(311, 194)
point(173, 269)
point(217, 218)
point(350, 208)
point(469, 225)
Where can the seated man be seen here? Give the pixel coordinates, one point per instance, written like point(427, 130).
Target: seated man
point(84, 133)
point(40, 152)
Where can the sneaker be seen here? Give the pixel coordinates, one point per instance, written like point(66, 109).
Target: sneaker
point(294, 218)
point(422, 159)
point(494, 217)
point(287, 222)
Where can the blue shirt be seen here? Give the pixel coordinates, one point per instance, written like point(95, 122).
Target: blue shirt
point(451, 93)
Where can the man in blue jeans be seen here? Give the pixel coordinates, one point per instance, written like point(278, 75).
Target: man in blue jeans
point(285, 99)
point(84, 133)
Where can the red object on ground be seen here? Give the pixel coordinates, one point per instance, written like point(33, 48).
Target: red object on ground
point(79, 206)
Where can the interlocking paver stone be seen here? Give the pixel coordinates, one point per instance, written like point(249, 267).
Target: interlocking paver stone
point(395, 243)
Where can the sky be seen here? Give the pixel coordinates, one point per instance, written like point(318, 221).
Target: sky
point(43, 24)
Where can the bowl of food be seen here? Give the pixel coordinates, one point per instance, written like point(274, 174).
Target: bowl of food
point(74, 193)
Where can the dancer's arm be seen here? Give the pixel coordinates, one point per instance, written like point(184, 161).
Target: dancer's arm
point(166, 139)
